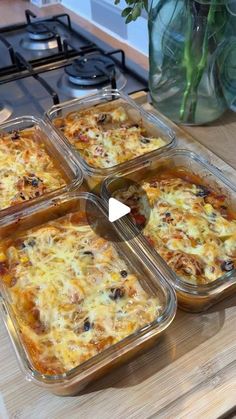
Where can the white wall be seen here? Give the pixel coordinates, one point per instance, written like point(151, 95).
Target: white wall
point(136, 32)
point(81, 7)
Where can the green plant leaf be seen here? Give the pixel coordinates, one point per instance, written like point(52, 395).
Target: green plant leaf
point(136, 12)
point(126, 11)
point(129, 18)
point(133, 12)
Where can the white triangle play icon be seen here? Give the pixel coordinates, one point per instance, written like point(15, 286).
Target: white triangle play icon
point(117, 210)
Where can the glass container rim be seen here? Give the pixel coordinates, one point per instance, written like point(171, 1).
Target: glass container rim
point(54, 139)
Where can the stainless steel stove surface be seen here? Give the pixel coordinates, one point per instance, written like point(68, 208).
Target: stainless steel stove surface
point(46, 61)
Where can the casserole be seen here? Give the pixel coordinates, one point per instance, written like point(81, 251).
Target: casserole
point(32, 163)
point(108, 131)
point(70, 326)
point(192, 222)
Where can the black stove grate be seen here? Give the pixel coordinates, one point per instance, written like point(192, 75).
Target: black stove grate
point(21, 62)
point(9, 48)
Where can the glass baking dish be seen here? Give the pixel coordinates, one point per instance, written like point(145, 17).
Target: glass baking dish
point(191, 297)
point(149, 277)
point(34, 172)
point(107, 100)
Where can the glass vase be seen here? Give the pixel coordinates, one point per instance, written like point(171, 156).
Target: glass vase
point(192, 57)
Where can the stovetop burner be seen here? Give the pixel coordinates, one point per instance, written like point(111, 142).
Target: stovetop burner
point(40, 36)
point(91, 70)
point(73, 90)
point(31, 45)
point(38, 31)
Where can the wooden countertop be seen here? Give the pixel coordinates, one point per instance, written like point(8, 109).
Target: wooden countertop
point(189, 374)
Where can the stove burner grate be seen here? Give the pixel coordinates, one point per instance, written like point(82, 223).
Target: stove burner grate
point(91, 70)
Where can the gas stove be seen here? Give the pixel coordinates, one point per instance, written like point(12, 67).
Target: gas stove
point(48, 61)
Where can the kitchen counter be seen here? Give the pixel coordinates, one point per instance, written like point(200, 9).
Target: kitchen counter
point(191, 373)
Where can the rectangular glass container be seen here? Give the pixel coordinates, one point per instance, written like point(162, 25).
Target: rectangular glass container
point(150, 278)
point(45, 136)
point(191, 297)
point(108, 99)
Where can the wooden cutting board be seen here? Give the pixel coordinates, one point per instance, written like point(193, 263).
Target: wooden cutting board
point(190, 374)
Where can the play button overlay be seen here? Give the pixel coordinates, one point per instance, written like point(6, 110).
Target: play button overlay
point(117, 210)
point(126, 211)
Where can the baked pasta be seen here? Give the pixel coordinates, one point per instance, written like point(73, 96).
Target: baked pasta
point(72, 295)
point(105, 138)
point(26, 169)
point(190, 225)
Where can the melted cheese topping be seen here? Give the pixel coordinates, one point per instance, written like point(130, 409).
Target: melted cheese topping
point(105, 139)
point(26, 170)
point(190, 225)
point(72, 294)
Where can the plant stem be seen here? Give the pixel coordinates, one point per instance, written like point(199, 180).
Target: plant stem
point(193, 79)
point(202, 63)
point(187, 62)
